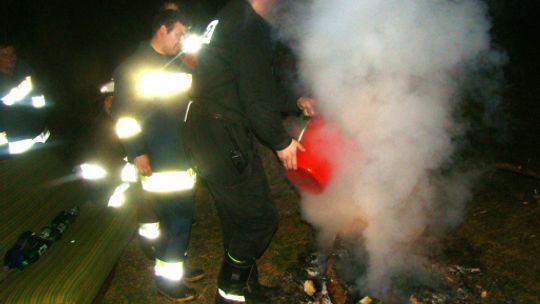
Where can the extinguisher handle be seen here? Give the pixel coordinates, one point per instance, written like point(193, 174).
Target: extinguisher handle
point(302, 118)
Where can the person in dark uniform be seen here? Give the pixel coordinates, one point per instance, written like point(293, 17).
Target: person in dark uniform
point(149, 105)
point(235, 98)
point(22, 105)
point(101, 154)
point(104, 140)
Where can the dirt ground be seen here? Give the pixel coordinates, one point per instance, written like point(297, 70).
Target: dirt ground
point(500, 237)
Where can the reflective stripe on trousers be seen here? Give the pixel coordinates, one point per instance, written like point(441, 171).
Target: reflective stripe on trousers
point(149, 231)
point(172, 181)
point(173, 271)
point(21, 146)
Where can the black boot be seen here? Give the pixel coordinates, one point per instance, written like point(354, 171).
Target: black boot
point(255, 286)
point(148, 247)
point(175, 290)
point(233, 284)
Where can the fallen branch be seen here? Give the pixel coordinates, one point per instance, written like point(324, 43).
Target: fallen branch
point(518, 169)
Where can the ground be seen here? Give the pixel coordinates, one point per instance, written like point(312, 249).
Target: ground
point(500, 236)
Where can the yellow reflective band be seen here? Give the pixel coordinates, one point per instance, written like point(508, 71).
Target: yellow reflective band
point(129, 173)
point(231, 297)
point(38, 101)
point(192, 44)
point(3, 139)
point(19, 92)
point(168, 270)
point(42, 137)
point(173, 181)
point(118, 198)
point(234, 260)
point(127, 127)
point(21, 146)
point(163, 84)
point(187, 110)
point(149, 231)
point(92, 171)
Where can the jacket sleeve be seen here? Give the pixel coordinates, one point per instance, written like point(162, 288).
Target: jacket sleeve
point(284, 68)
point(289, 98)
point(257, 84)
point(125, 106)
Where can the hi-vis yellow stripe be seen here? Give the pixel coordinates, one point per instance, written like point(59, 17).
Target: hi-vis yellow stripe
point(172, 181)
point(163, 84)
point(127, 127)
point(173, 271)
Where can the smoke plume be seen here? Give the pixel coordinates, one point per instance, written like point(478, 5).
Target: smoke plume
point(390, 74)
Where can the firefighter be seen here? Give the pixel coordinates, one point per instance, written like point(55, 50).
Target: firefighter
point(102, 155)
point(150, 102)
point(110, 178)
point(22, 106)
point(103, 137)
point(235, 98)
point(189, 58)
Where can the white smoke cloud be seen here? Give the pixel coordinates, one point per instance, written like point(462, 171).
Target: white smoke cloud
point(386, 72)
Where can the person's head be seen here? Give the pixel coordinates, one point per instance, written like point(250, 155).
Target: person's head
point(262, 7)
point(168, 29)
point(8, 55)
point(107, 104)
point(107, 91)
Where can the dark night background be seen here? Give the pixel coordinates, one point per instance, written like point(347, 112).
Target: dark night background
point(73, 47)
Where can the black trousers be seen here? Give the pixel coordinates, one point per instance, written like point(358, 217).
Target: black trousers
point(224, 155)
point(175, 213)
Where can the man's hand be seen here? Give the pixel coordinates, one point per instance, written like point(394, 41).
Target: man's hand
point(142, 162)
point(307, 105)
point(288, 155)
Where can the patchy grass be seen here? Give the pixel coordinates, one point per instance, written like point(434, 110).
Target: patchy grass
point(500, 235)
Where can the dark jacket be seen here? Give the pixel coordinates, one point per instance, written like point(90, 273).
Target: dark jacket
point(235, 76)
point(160, 118)
point(20, 121)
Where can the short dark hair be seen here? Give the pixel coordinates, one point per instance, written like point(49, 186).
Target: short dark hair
point(168, 18)
point(165, 3)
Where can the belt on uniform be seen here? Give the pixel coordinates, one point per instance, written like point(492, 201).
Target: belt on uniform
point(215, 112)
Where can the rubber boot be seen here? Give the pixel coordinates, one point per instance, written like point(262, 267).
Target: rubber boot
point(148, 247)
point(255, 286)
point(233, 284)
point(175, 290)
point(192, 274)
